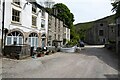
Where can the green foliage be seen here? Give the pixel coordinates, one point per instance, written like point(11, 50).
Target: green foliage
point(64, 14)
point(49, 10)
point(116, 7)
point(72, 43)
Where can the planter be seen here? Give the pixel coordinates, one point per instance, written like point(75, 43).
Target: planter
point(71, 50)
point(42, 55)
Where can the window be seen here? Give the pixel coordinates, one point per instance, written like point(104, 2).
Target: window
point(59, 37)
point(43, 14)
point(68, 36)
point(34, 19)
point(55, 36)
point(101, 33)
point(112, 29)
point(101, 24)
point(16, 2)
point(50, 38)
point(43, 36)
point(15, 36)
point(43, 42)
point(118, 29)
point(59, 26)
point(42, 23)
point(34, 9)
point(33, 40)
point(15, 15)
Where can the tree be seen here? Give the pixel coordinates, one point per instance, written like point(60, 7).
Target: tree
point(116, 7)
point(63, 12)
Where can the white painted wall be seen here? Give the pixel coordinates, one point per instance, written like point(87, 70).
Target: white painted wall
point(0, 24)
point(67, 33)
point(26, 17)
point(0, 19)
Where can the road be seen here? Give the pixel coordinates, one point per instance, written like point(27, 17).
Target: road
point(90, 62)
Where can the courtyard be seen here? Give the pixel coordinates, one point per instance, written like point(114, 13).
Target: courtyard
point(90, 62)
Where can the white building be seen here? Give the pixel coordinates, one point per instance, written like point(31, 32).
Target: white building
point(0, 23)
point(49, 3)
point(27, 23)
point(66, 34)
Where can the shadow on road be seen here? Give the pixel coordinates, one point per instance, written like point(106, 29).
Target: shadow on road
point(103, 54)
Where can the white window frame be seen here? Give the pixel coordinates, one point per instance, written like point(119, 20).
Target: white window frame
point(12, 39)
point(19, 16)
point(33, 41)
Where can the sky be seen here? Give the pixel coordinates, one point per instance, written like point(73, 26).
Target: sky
point(88, 10)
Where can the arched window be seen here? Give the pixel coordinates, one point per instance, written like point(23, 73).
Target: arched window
point(43, 36)
point(33, 40)
point(14, 36)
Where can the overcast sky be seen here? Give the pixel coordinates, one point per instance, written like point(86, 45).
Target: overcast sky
point(88, 10)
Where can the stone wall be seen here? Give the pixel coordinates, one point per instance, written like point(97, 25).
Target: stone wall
point(118, 35)
point(55, 30)
point(93, 34)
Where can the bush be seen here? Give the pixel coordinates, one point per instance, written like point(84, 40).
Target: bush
point(72, 43)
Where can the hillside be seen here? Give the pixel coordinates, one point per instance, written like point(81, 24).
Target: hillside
point(82, 27)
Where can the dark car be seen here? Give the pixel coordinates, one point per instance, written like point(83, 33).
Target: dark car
point(82, 44)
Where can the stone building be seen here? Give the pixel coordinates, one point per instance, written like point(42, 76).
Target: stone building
point(66, 34)
point(112, 32)
point(57, 31)
point(118, 35)
point(98, 33)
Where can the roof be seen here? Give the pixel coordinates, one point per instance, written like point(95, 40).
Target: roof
point(42, 8)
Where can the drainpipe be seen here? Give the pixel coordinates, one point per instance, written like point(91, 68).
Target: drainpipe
point(3, 15)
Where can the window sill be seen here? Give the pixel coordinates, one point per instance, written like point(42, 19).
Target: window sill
point(16, 23)
point(43, 17)
point(16, 5)
point(34, 13)
point(34, 26)
point(42, 28)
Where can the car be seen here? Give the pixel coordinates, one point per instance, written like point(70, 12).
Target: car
point(82, 44)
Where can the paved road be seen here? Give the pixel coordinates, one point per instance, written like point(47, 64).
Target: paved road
point(91, 62)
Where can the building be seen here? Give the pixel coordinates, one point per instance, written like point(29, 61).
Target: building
point(57, 31)
point(112, 32)
point(98, 33)
point(49, 3)
point(29, 23)
point(26, 22)
point(118, 35)
point(66, 34)
point(0, 23)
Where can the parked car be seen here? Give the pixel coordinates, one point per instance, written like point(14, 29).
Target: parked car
point(82, 44)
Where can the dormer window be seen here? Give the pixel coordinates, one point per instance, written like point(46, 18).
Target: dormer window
point(43, 14)
point(34, 9)
point(16, 2)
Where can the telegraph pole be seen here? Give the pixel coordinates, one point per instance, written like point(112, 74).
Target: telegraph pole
point(3, 16)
